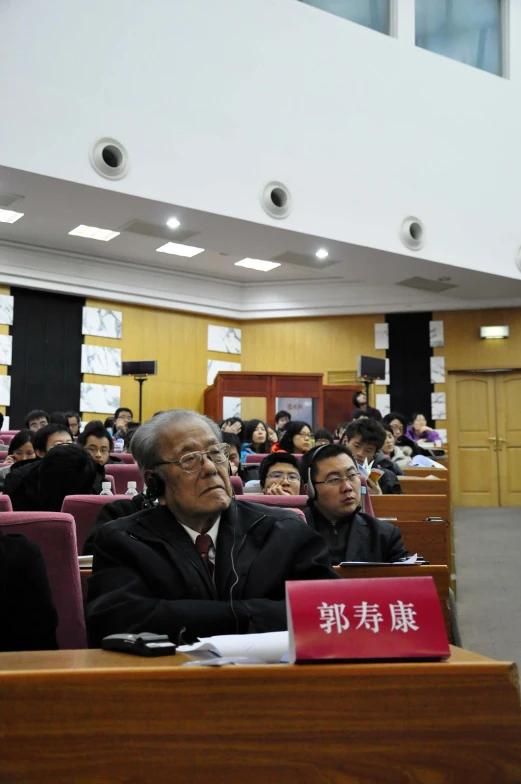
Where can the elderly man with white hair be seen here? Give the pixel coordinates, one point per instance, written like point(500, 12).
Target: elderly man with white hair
point(199, 560)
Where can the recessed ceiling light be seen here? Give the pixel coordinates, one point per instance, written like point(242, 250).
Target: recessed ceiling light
point(322, 254)
point(8, 216)
point(258, 264)
point(173, 223)
point(93, 233)
point(179, 250)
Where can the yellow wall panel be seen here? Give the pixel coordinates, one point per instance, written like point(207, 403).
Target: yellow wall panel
point(4, 330)
point(178, 341)
point(465, 350)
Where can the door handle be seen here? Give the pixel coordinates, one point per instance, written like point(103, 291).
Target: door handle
point(494, 442)
point(501, 442)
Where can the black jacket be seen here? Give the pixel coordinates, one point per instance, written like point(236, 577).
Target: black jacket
point(28, 619)
point(148, 576)
point(386, 464)
point(123, 507)
point(369, 539)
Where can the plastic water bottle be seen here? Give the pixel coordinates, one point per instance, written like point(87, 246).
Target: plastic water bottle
point(131, 488)
point(106, 489)
point(119, 445)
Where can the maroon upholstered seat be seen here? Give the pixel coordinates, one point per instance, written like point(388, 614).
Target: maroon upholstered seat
point(124, 456)
point(124, 473)
point(237, 485)
point(55, 535)
point(5, 504)
point(254, 458)
point(85, 509)
point(291, 501)
point(6, 438)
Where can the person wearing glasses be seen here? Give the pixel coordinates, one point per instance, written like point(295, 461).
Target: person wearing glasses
point(333, 483)
point(297, 439)
point(279, 474)
point(98, 442)
point(200, 562)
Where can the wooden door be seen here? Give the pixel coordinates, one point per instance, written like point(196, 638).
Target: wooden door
point(473, 437)
point(508, 400)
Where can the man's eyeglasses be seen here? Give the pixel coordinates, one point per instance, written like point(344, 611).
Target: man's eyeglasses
point(193, 461)
point(104, 450)
point(278, 476)
point(335, 481)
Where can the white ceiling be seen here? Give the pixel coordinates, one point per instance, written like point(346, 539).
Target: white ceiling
point(362, 280)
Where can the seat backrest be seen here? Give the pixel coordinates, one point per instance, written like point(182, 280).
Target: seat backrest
point(237, 485)
point(255, 458)
point(366, 502)
point(124, 473)
point(291, 501)
point(5, 503)
point(6, 438)
point(85, 509)
point(300, 513)
point(124, 456)
point(109, 478)
point(55, 535)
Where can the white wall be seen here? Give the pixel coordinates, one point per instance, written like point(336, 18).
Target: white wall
point(212, 99)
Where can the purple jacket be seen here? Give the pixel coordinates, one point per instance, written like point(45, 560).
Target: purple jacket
point(430, 435)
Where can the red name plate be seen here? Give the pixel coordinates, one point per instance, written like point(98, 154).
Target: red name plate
point(378, 618)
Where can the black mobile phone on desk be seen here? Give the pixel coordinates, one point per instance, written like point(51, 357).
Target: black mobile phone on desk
point(144, 644)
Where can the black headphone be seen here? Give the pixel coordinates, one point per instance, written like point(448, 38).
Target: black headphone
point(312, 493)
point(155, 486)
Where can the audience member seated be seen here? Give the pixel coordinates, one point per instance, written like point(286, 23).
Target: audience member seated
point(36, 419)
point(28, 618)
point(323, 436)
point(66, 470)
point(131, 429)
point(358, 414)
point(98, 442)
point(73, 419)
point(255, 438)
point(272, 435)
point(109, 424)
point(233, 425)
point(20, 449)
point(22, 482)
point(282, 418)
point(359, 400)
point(332, 481)
point(174, 566)
point(234, 452)
point(364, 438)
point(279, 474)
point(59, 418)
point(399, 426)
point(121, 419)
point(392, 451)
point(296, 438)
point(420, 431)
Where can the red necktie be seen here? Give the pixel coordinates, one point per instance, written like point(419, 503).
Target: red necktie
point(203, 545)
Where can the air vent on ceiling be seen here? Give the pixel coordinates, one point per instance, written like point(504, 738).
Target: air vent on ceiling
point(303, 261)
point(6, 199)
point(158, 231)
point(424, 284)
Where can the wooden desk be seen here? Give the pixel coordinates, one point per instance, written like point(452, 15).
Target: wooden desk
point(411, 507)
point(413, 485)
point(430, 539)
point(90, 716)
point(440, 575)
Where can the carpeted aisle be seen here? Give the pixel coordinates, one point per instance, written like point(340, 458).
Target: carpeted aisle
point(487, 545)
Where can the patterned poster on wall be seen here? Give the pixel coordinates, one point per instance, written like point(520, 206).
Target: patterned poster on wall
point(102, 323)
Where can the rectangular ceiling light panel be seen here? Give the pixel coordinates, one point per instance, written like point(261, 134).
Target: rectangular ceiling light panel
point(257, 264)
point(94, 233)
point(177, 249)
point(8, 216)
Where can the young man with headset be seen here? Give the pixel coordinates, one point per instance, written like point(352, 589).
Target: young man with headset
point(199, 561)
point(333, 484)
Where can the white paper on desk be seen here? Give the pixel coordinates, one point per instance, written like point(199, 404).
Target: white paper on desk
point(269, 647)
point(408, 562)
